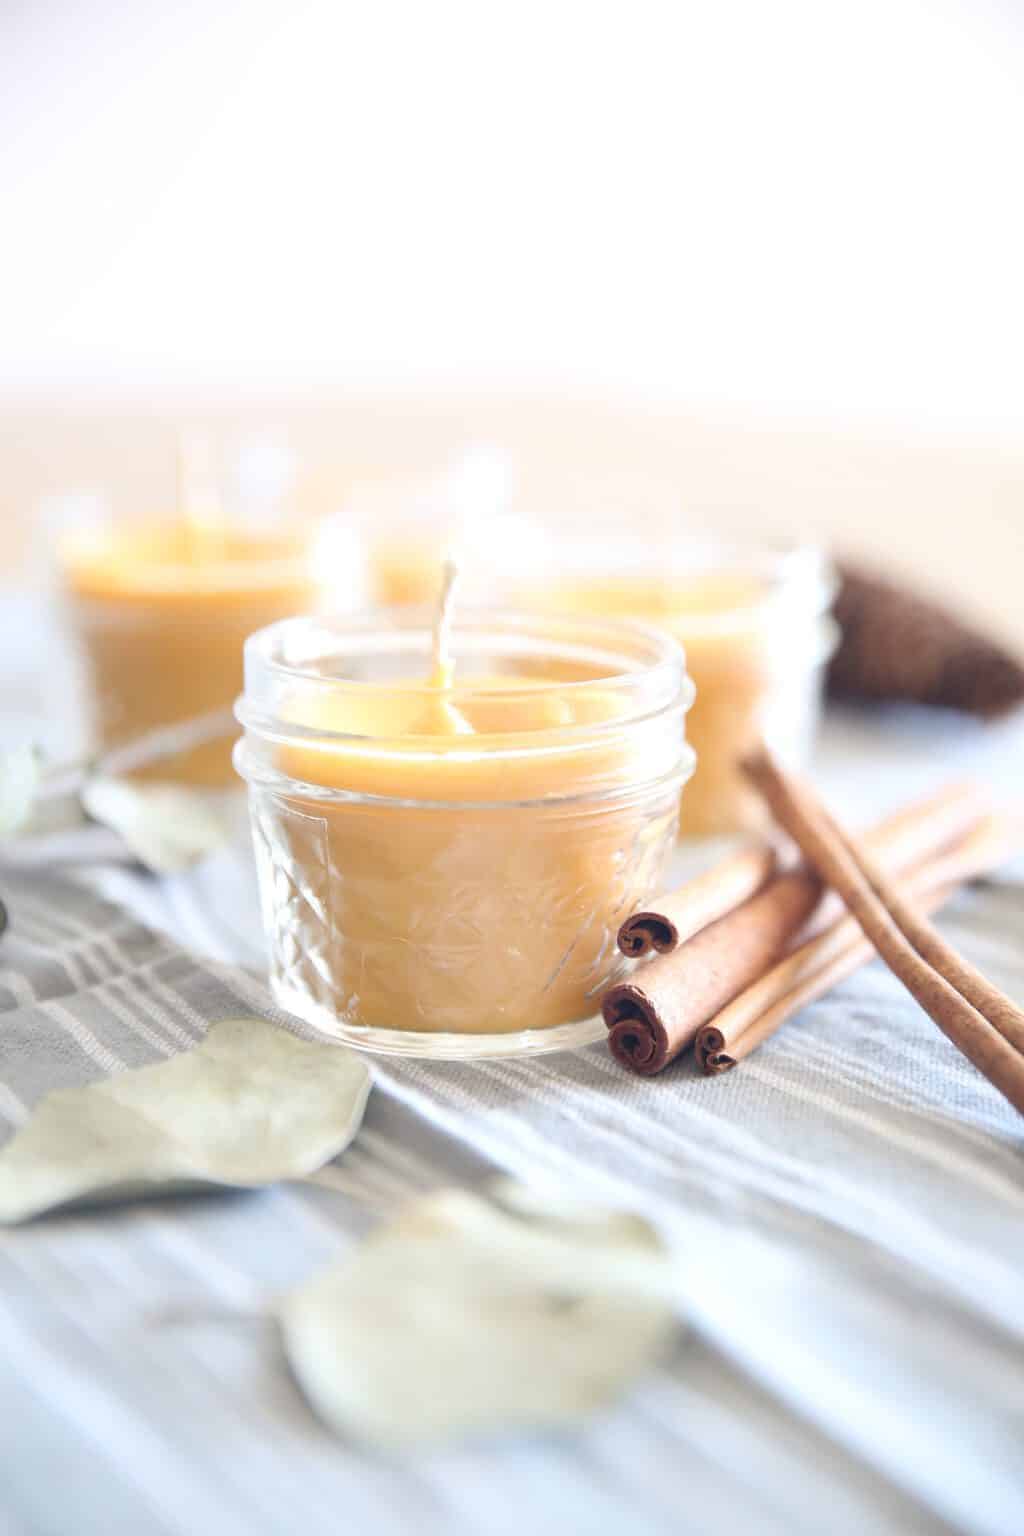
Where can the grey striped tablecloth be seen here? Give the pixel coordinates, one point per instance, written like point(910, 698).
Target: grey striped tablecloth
point(850, 1205)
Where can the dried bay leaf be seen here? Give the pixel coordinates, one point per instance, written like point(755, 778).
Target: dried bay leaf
point(166, 826)
point(469, 1315)
point(250, 1105)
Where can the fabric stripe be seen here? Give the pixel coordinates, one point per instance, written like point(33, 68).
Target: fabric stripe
point(82, 1035)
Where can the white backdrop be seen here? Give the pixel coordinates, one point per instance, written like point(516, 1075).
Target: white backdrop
point(809, 205)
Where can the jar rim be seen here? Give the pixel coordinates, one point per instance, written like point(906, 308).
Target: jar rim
point(658, 657)
point(637, 672)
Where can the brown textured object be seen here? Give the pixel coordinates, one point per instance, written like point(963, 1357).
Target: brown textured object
point(682, 913)
point(898, 645)
point(656, 1014)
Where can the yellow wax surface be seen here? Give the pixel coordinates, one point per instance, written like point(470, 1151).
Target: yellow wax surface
point(407, 740)
point(461, 910)
point(160, 611)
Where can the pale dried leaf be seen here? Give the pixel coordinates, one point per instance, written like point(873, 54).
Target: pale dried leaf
point(470, 1314)
point(166, 826)
point(249, 1106)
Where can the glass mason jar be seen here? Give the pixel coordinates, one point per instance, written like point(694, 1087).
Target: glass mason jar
point(444, 873)
point(155, 613)
point(753, 619)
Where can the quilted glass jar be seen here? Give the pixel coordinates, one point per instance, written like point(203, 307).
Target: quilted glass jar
point(156, 619)
point(444, 873)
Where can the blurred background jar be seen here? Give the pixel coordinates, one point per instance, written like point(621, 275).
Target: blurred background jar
point(753, 619)
point(155, 605)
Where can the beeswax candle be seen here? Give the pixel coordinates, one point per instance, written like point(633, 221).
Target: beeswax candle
point(443, 869)
point(160, 612)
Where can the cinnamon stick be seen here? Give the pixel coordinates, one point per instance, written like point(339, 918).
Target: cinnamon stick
point(656, 1013)
point(858, 881)
point(822, 962)
point(683, 912)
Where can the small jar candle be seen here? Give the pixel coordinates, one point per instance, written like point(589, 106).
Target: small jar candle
point(157, 612)
point(753, 620)
point(443, 870)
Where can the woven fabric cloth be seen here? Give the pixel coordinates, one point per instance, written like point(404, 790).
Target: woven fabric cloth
point(849, 1204)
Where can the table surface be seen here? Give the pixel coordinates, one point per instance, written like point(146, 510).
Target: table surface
point(849, 1206)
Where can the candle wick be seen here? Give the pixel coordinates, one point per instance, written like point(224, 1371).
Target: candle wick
point(444, 666)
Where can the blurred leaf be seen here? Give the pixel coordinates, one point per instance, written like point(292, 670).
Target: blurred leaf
point(166, 826)
point(249, 1106)
point(470, 1314)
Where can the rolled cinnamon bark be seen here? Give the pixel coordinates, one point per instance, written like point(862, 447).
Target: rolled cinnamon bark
point(655, 1015)
point(683, 912)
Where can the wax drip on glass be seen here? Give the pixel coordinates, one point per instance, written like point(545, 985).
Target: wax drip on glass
point(440, 717)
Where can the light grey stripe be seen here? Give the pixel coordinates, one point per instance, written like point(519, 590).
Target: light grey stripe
point(778, 1463)
point(251, 994)
point(842, 1188)
point(193, 1018)
point(416, 1172)
point(937, 1153)
point(843, 1067)
point(172, 1036)
point(343, 1182)
point(103, 992)
point(70, 951)
point(34, 934)
point(229, 1281)
point(82, 1035)
point(110, 961)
